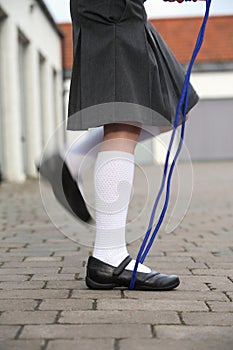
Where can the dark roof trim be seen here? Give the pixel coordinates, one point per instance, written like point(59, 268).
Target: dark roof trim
point(212, 67)
point(67, 73)
point(47, 13)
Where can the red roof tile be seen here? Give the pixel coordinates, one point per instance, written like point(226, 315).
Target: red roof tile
point(67, 45)
point(180, 35)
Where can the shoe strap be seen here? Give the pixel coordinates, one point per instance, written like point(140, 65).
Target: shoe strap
point(122, 265)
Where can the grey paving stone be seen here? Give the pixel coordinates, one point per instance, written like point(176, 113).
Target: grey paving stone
point(33, 263)
point(95, 294)
point(74, 284)
point(50, 249)
point(228, 259)
point(73, 269)
point(4, 244)
point(21, 285)
point(66, 304)
point(226, 306)
point(21, 344)
point(176, 295)
point(28, 270)
point(119, 317)
point(194, 332)
point(220, 265)
point(39, 259)
point(54, 277)
point(200, 283)
point(208, 318)
point(27, 317)
point(83, 344)
point(76, 260)
point(24, 253)
point(170, 305)
point(66, 253)
point(3, 250)
point(85, 331)
point(230, 295)
point(33, 294)
point(161, 344)
point(17, 304)
point(213, 272)
point(5, 258)
point(4, 278)
point(7, 332)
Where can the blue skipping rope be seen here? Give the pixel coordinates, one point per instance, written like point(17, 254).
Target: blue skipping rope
point(184, 99)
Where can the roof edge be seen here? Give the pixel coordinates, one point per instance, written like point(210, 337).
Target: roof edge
point(49, 16)
point(200, 67)
point(186, 18)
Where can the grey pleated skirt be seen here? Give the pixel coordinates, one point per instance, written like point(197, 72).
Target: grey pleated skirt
point(123, 71)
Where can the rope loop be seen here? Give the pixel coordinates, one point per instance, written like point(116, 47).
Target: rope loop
point(183, 103)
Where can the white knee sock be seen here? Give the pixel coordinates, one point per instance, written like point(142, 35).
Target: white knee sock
point(74, 155)
point(114, 172)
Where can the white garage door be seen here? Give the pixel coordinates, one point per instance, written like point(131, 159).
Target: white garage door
point(209, 131)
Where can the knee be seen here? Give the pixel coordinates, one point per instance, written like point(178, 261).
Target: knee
point(121, 137)
point(122, 130)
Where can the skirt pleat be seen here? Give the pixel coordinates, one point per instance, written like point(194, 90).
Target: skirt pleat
point(121, 60)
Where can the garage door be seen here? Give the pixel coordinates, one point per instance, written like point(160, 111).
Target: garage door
point(209, 131)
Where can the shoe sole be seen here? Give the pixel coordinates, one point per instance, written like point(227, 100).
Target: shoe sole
point(95, 285)
point(49, 171)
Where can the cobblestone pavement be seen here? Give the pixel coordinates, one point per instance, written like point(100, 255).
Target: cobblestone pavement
point(45, 304)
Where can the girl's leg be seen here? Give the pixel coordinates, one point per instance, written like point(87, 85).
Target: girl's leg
point(90, 141)
point(114, 172)
point(87, 146)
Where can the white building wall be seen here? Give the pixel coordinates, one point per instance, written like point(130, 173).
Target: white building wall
point(13, 157)
point(213, 85)
point(36, 27)
point(28, 18)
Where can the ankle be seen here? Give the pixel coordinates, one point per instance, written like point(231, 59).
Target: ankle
point(112, 257)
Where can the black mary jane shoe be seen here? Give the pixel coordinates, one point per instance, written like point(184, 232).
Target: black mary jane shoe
point(65, 188)
point(104, 276)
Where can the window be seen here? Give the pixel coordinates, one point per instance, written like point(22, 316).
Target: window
point(55, 110)
point(2, 17)
point(42, 91)
point(22, 46)
point(55, 92)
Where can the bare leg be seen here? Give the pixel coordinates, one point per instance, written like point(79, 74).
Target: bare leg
point(120, 137)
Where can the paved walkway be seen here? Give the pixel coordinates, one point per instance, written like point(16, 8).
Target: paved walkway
point(45, 304)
